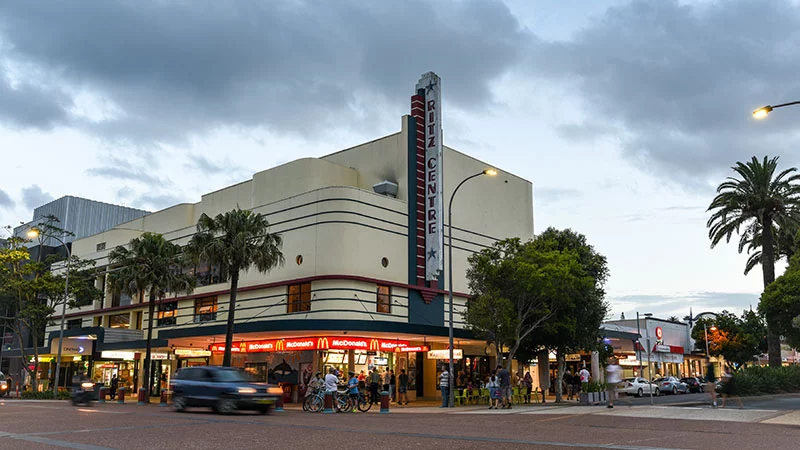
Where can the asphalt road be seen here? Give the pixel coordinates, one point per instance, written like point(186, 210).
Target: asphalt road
point(53, 425)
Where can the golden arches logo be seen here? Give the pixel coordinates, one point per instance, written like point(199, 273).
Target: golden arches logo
point(322, 343)
point(374, 344)
point(280, 345)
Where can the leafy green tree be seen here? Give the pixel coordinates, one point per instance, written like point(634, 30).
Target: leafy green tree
point(781, 301)
point(737, 339)
point(149, 264)
point(516, 288)
point(31, 292)
point(754, 204)
point(575, 325)
point(236, 240)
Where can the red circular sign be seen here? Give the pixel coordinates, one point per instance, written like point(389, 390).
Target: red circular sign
point(659, 333)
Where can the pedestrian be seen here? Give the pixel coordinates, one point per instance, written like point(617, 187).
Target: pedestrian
point(114, 386)
point(613, 377)
point(729, 389)
point(445, 381)
point(402, 388)
point(527, 381)
point(362, 381)
point(570, 384)
point(711, 378)
point(584, 377)
point(386, 381)
point(374, 384)
point(352, 389)
point(392, 384)
point(504, 377)
point(331, 384)
point(494, 391)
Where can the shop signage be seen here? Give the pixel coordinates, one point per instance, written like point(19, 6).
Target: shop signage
point(127, 356)
point(663, 348)
point(380, 361)
point(159, 356)
point(416, 349)
point(72, 346)
point(659, 333)
point(42, 359)
point(434, 220)
point(313, 343)
point(445, 354)
point(191, 352)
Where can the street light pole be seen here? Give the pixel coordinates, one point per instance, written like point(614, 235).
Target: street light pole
point(490, 172)
point(32, 233)
point(649, 374)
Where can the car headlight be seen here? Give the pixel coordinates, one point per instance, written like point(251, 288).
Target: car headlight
point(246, 390)
point(3, 387)
point(275, 391)
point(87, 385)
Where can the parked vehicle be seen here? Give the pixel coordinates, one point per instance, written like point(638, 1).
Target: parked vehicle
point(671, 385)
point(695, 385)
point(83, 393)
point(224, 389)
point(4, 386)
point(637, 386)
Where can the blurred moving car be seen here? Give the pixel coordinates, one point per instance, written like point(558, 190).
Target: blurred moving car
point(224, 389)
point(637, 386)
point(4, 387)
point(671, 385)
point(694, 383)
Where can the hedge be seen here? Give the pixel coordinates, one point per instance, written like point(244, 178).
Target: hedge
point(766, 380)
point(45, 395)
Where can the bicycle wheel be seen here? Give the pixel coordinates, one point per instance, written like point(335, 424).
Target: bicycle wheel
point(364, 404)
point(342, 405)
point(307, 403)
point(315, 405)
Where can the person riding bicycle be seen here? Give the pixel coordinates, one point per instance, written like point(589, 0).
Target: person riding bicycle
point(314, 385)
point(352, 389)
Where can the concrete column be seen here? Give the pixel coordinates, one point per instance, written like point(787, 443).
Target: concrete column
point(596, 373)
point(351, 360)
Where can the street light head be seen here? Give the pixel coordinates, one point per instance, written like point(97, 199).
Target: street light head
point(713, 328)
point(648, 314)
point(490, 172)
point(761, 113)
point(33, 233)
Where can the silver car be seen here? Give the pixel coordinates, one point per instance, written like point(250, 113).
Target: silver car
point(637, 386)
point(671, 385)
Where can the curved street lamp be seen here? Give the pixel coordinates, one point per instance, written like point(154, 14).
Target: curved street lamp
point(32, 234)
point(761, 113)
point(491, 173)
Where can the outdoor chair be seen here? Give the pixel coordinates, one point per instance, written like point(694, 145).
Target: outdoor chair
point(474, 395)
point(461, 396)
point(515, 396)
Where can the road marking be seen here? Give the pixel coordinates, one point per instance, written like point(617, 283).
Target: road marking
point(55, 442)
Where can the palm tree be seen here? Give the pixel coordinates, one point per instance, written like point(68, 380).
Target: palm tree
point(151, 264)
point(785, 243)
point(236, 241)
point(760, 202)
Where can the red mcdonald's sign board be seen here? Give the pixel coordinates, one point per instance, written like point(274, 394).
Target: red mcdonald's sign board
point(416, 349)
point(315, 343)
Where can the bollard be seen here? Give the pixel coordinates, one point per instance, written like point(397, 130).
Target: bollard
point(384, 402)
point(164, 399)
point(328, 405)
point(121, 395)
point(142, 396)
point(101, 397)
point(279, 404)
point(17, 392)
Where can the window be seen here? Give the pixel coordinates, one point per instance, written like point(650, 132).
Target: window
point(120, 299)
point(299, 298)
point(167, 313)
point(75, 323)
point(384, 299)
point(206, 274)
point(119, 321)
point(101, 246)
point(205, 309)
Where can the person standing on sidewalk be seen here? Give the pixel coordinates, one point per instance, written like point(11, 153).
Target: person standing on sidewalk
point(494, 391)
point(527, 382)
point(445, 381)
point(504, 377)
point(711, 378)
point(402, 388)
point(331, 385)
point(386, 381)
point(374, 383)
point(613, 378)
point(729, 389)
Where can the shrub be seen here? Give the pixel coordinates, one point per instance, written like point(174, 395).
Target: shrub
point(595, 386)
point(44, 395)
point(766, 380)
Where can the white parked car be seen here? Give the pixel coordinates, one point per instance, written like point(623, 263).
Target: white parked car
point(637, 386)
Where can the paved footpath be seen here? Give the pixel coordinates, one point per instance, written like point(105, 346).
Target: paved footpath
point(53, 425)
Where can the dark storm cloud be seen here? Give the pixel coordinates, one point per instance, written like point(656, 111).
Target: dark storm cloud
point(676, 83)
point(34, 197)
point(5, 200)
point(27, 105)
point(180, 67)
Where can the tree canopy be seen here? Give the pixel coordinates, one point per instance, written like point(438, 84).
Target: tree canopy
point(738, 339)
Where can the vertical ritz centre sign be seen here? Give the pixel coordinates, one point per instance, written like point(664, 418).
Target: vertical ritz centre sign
point(431, 85)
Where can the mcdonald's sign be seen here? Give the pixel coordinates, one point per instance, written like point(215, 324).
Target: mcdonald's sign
point(280, 345)
point(316, 343)
point(416, 349)
point(322, 343)
point(374, 345)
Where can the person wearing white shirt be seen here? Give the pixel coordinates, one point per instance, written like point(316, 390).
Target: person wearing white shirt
point(331, 383)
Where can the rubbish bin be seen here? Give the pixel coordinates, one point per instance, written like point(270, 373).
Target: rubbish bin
point(97, 387)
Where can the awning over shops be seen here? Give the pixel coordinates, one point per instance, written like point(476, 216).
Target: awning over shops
point(618, 332)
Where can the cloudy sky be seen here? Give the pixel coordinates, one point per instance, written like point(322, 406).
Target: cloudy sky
point(624, 114)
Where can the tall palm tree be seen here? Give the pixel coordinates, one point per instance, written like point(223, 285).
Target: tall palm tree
point(785, 239)
point(235, 241)
point(150, 264)
point(759, 201)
